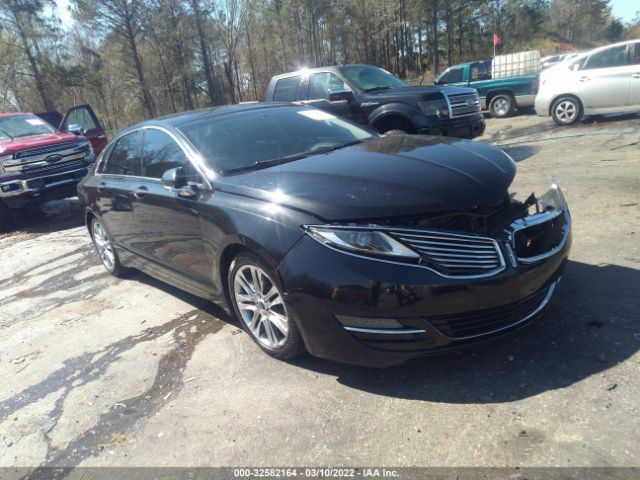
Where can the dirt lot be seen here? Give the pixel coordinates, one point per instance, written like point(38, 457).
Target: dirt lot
point(99, 371)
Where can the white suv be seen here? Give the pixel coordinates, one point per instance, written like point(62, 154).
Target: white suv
point(604, 80)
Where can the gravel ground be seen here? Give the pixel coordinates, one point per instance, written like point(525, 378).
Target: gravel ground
point(106, 372)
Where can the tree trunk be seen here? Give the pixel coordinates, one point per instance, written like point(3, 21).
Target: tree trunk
point(204, 52)
point(47, 103)
point(147, 101)
point(434, 33)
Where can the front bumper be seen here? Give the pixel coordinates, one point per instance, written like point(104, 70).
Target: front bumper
point(22, 192)
point(462, 127)
point(542, 105)
point(337, 297)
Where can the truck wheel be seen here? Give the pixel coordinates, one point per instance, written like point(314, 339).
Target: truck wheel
point(502, 105)
point(566, 110)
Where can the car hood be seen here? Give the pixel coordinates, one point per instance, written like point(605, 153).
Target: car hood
point(389, 176)
point(14, 145)
point(419, 91)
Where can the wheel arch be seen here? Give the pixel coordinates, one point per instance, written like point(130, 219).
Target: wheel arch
point(494, 93)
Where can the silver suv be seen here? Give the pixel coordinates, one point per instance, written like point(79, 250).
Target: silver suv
point(603, 80)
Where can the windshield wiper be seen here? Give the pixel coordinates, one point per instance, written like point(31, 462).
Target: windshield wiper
point(290, 158)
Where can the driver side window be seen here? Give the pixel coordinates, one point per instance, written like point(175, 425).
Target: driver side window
point(320, 83)
point(611, 57)
point(453, 75)
point(161, 153)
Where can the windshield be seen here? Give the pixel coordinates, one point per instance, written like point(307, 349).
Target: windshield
point(266, 136)
point(371, 78)
point(17, 126)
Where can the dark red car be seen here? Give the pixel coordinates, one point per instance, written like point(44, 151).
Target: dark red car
point(42, 157)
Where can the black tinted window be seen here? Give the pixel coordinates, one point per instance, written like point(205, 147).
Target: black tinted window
point(286, 90)
point(123, 158)
point(160, 153)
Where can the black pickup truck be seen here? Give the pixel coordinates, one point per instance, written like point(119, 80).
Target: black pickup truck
point(370, 95)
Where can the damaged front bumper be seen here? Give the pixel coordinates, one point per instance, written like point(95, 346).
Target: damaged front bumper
point(376, 312)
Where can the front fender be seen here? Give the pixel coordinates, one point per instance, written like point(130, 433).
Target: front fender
point(394, 109)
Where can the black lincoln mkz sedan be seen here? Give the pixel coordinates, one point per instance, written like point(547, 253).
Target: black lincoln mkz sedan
point(325, 237)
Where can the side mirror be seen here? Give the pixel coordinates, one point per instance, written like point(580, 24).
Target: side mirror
point(175, 180)
point(76, 129)
point(338, 94)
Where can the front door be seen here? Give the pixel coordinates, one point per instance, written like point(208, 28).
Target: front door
point(318, 88)
point(168, 224)
point(604, 79)
point(84, 117)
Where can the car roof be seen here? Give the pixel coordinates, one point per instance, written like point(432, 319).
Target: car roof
point(14, 114)
point(321, 69)
point(175, 119)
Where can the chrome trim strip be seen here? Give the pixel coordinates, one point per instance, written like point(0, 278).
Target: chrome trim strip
point(385, 331)
point(538, 309)
point(387, 229)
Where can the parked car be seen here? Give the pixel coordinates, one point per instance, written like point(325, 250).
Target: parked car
point(502, 95)
point(551, 60)
point(603, 80)
point(372, 96)
point(323, 236)
point(39, 162)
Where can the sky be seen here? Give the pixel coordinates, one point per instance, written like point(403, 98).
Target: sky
point(624, 9)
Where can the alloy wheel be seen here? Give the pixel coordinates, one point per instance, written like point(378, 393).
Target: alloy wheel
point(566, 111)
point(103, 246)
point(261, 306)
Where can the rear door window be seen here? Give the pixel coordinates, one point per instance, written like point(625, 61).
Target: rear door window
point(634, 54)
point(123, 158)
point(287, 89)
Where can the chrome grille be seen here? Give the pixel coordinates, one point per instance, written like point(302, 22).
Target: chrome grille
point(453, 254)
point(31, 152)
point(55, 166)
point(463, 104)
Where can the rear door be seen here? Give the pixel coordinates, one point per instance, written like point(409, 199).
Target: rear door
point(84, 117)
point(169, 228)
point(114, 195)
point(604, 78)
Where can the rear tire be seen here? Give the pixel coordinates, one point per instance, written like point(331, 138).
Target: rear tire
point(566, 110)
point(502, 105)
point(104, 246)
point(258, 302)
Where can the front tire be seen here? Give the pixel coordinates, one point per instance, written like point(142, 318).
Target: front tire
point(104, 246)
point(258, 302)
point(502, 106)
point(566, 110)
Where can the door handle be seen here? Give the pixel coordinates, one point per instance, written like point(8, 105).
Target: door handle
point(101, 186)
point(636, 75)
point(584, 79)
point(140, 192)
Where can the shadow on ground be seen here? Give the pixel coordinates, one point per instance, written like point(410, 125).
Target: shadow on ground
point(591, 326)
point(52, 216)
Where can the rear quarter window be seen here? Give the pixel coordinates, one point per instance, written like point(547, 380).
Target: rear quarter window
point(123, 156)
point(286, 89)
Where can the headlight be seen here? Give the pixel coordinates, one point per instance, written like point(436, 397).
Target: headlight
point(434, 107)
point(362, 241)
point(90, 156)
